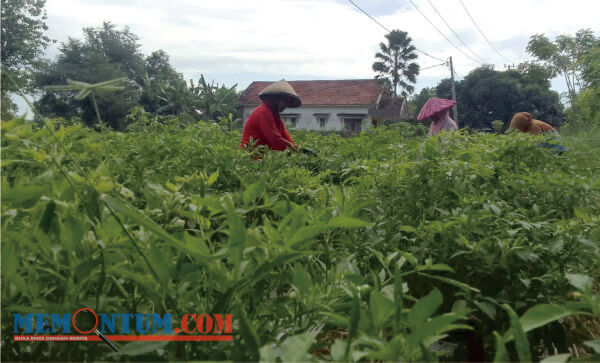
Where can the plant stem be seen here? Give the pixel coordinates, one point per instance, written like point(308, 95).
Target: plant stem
point(96, 109)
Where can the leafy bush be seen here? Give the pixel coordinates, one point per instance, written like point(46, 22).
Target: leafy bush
point(585, 114)
point(497, 125)
point(382, 247)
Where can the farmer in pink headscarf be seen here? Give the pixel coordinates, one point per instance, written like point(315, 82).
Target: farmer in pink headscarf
point(438, 110)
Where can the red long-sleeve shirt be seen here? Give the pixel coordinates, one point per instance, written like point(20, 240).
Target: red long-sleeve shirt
point(267, 128)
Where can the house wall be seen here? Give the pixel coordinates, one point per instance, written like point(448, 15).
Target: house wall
point(308, 121)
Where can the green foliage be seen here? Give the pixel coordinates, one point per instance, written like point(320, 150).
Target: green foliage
point(497, 125)
point(585, 113)
point(485, 95)
point(200, 100)
point(110, 53)
point(85, 89)
point(417, 101)
point(177, 98)
point(571, 56)
point(216, 101)
point(23, 39)
point(590, 64)
point(23, 42)
point(8, 107)
point(394, 62)
point(158, 74)
point(105, 53)
point(138, 118)
point(380, 247)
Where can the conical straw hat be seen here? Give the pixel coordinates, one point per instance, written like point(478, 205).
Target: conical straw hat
point(281, 88)
point(433, 106)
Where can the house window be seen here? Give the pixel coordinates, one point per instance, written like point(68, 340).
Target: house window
point(291, 120)
point(321, 119)
point(353, 125)
point(352, 122)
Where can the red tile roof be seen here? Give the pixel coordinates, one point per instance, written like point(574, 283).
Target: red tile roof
point(325, 93)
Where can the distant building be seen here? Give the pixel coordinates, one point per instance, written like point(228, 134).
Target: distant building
point(333, 104)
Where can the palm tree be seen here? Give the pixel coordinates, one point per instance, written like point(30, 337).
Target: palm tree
point(393, 62)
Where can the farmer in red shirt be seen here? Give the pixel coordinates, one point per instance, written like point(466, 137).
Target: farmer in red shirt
point(264, 124)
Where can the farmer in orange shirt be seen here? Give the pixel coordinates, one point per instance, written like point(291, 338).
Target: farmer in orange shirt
point(264, 124)
point(524, 122)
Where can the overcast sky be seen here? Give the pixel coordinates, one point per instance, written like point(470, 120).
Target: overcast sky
point(239, 41)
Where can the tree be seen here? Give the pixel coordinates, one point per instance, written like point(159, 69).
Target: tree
point(158, 74)
point(23, 42)
point(177, 98)
point(86, 89)
point(577, 59)
point(417, 101)
point(565, 55)
point(590, 64)
point(120, 47)
point(586, 111)
point(105, 53)
point(201, 99)
point(216, 101)
point(158, 67)
point(485, 95)
point(394, 62)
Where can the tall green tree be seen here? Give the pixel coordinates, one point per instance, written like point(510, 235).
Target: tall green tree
point(23, 41)
point(590, 64)
point(120, 47)
point(584, 113)
point(485, 95)
point(158, 67)
point(566, 56)
point(394, 62)
point(159, 74)
point(105, 53)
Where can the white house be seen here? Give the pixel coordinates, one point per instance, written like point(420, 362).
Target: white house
point(332, 104)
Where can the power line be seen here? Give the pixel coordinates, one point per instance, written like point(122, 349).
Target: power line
point(372, 18)
point(480, 31)
point(442, 34)
point(444, 62)
point(437, 65)
point(386, 29)
point(429, 55)
point(453, 32)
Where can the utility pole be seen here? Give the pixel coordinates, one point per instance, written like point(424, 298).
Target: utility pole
point(453, 89)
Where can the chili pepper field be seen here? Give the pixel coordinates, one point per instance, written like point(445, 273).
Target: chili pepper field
point(386, 246)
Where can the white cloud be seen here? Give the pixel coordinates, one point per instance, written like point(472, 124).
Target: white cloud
point(318, 38)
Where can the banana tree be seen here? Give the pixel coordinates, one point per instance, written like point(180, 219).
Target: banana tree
point(216, 101)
